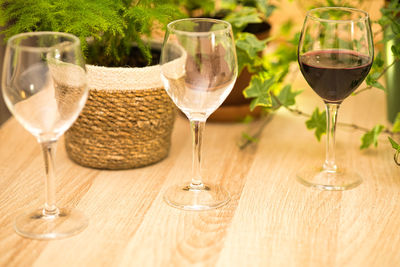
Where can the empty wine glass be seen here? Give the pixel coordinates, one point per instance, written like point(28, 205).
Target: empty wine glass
point(335, 54)
point(198, 69)
point(44, 86)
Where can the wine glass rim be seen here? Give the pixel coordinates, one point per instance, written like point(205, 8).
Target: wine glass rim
point(363, 18)
point(171, 28)
point(12, 40)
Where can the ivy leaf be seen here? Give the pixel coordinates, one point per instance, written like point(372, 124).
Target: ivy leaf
point(287, 97)
point(371, 80)
point(396, 124)
point(248, 119)
point(241, 18)
point(395, 50)
point(358, 43)
point(317, 122)
point(270, 9)
point(259, 90)
point(331, 2)
point(248, 42)
point(264, 7)
point(375, 75)
point(379, 86)
point(287, 27)
point(371, 137)
point(394, 144)
point(206, 6)
point(247, 50)
point(250, 138)
point(378, 61)
point(296, 39)
point(228, 4)
point(243, 59)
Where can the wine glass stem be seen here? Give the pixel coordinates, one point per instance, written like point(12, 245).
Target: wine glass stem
point(49, 149)
point(331, 116)
point(197, 128)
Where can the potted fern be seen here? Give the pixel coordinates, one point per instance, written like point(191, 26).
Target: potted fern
point(128, 118)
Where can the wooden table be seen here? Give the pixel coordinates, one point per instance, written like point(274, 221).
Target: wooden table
point(272, 220)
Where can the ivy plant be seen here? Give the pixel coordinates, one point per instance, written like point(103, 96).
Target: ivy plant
point(263, 89)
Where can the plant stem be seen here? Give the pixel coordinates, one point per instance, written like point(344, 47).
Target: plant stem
point(293, 110)
point(299, 112)
point(353, 126)
point(349, 125)
point(396, 157)
point(382, 73)
point(344, 124)
point(245, 142)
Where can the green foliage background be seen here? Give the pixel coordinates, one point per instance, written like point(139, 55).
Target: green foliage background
point(112, 25)
point(264, 92)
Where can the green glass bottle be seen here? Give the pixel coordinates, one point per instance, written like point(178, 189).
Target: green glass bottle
point(392, 77)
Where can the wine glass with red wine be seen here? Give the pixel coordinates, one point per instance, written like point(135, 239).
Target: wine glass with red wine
point(335, 54)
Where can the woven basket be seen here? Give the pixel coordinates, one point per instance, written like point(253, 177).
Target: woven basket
point(127, 120)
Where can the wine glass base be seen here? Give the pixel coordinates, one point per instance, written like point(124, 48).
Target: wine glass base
point(187, 198)
point(35, 225)
point(329, 180)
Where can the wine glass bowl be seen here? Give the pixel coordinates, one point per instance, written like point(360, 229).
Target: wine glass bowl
point(44, 87)
point(44, 91)
point(335, 51)
point(207, 72)
point(335, 54)
point(198, 69)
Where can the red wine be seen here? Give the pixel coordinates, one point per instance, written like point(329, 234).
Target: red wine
point(334, 74)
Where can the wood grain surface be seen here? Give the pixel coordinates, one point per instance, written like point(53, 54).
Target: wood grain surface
point(272, 220)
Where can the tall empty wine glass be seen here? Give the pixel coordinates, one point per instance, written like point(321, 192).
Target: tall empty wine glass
point(44, 86)
point(335, 54)
point(199, 68)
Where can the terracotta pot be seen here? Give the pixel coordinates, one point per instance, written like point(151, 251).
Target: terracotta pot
point(236, 107)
